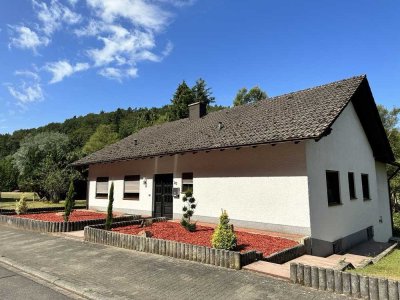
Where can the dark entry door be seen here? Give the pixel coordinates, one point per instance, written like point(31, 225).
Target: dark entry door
point(163, 196)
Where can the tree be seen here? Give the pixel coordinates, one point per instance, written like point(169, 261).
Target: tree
point(390, 120)
point(103, 136)
point(179, 104)
point(21, 206)
point(109, 219)
point(202, 93)
point(38, 156)
point(253, 95)
point(8, 175)
point(69, 201)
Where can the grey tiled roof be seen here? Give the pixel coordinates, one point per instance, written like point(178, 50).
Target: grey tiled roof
point(305, 114)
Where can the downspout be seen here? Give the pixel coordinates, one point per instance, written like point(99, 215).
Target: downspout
point(395, 164)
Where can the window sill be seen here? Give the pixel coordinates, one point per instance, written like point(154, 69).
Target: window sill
point(353, 199)
point(130, 199)
point(334, 204)
point(367, 199)
point(100, 197)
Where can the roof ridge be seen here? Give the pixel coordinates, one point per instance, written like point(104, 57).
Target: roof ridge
point(319, 86)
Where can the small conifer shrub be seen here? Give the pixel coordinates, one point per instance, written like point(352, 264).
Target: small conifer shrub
point(69, 201)
point(188, 210)
point(224, 237)
point(109, 219)
point(21, 206)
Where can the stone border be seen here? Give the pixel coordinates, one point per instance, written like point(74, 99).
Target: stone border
point(349, 284)
point(286, 255)
point(46, 226)
point(211, 256)
point(37, 210)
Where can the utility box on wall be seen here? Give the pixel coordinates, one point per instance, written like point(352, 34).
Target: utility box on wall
point(176, 192)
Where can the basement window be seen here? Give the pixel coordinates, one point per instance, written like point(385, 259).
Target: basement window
point(352, 187)
point(365, 186)
point(102, 187)
point(333, 187)
point(187, 182)
point(131, 187)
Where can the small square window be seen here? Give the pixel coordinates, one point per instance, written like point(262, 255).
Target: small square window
point(102, 187)
point(333, 187)
point(352, 187)
point(365, 186)
point(187, 182)
point(131, 187)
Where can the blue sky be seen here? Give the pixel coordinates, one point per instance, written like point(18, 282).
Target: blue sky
point(64, 58)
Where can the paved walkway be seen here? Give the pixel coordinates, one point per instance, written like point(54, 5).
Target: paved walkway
point(17, 287)
point(112, 273)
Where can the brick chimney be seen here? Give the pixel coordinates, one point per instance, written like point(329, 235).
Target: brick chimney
point(197, 110)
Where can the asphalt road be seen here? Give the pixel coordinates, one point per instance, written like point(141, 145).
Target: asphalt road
point(14, 286)
point(103, 272)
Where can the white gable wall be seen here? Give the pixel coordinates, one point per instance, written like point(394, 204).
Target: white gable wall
point(345, 150)
point(264, 187)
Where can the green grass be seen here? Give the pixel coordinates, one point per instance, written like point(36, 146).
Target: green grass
point(10, 204)
point(388, 267)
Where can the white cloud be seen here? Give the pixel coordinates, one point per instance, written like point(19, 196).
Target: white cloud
point(140, 13)
point(29, 89)
point(73, 2)
point(63, 68)
point(54, 15)
point(118, 74)
point(25, 38)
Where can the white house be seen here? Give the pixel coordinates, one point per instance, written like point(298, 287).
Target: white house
point(311, 162)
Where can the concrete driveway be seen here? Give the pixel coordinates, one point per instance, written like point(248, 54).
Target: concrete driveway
point(102, 272)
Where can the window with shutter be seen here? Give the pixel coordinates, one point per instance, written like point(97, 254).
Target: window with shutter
point(101, 187)
point(132, 187)
point(187, 182)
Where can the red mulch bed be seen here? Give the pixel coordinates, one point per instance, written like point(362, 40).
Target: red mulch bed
point(76, 215)
point(202, 237)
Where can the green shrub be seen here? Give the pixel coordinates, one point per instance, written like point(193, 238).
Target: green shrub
point(69, 201)
point(188, 211)
point(224, 237)
point(109, 219)
point(396, 224)
point(22, 206)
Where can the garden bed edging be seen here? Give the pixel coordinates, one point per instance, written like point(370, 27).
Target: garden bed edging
point(47, 226)
point(341, 282)
point(211, 256)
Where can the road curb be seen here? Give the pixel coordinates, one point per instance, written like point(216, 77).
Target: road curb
point(87, 291)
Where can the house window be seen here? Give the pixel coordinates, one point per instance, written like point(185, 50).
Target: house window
point(187, 182)
point(101, 187)
point(352, 187)
point(333, 187)
point(365, 186)
point(131, 187)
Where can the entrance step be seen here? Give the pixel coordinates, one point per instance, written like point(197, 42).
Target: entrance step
point(356, 260)
point(267, 268)
point(322, 262)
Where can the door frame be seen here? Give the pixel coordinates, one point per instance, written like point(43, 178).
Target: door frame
point(154, 193)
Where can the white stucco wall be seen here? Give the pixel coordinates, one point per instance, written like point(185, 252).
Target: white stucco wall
point(266, 185)
point(345, 150)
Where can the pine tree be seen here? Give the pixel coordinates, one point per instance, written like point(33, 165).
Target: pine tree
point(202, 93)
point(180, 101)
point(69, 201)
point(109, 219)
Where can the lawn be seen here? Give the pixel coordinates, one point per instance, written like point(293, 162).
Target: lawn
point(202, 237)
point(10, 204)
point(388, 267)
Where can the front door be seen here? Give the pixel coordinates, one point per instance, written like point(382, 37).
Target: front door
point(163, 196)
